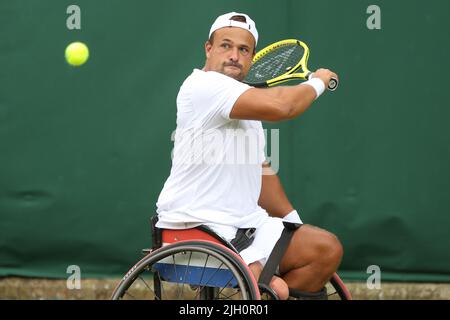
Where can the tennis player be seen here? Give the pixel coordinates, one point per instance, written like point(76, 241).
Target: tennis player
point(227, 185)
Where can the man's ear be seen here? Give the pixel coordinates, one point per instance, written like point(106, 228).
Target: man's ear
point(208, 47)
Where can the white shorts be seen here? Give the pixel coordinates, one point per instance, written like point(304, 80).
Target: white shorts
point(266, 236)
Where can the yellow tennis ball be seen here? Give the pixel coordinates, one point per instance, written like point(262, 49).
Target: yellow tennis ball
point(77, 54)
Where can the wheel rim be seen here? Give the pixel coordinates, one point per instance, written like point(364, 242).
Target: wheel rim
point(170, 273)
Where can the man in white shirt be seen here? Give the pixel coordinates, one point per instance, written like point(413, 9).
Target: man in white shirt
point(221, 181)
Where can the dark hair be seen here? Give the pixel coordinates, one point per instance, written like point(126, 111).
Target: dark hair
point(234, 18)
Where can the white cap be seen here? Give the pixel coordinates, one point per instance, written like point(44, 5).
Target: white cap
point(224, 21)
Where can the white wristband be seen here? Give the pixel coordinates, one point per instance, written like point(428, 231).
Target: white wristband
point(317, 84)
point(293, 217)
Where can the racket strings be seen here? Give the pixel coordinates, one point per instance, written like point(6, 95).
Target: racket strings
point(275, 63)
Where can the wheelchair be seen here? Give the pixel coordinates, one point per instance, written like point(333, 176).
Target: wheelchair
point(198, 264)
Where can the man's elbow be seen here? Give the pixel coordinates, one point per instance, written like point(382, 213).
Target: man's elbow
point(281, 111)
point(291, 110)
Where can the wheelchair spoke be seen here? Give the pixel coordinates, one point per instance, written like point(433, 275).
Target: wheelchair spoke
point(148, 287)
point(225, 297)
point(161, 287)
point(133, 297)
point(332, 294)
point(175, 269)
point(185, 274)
point(212, 276)
point(175, 266)
point(224, 287)
point(204, 268)
point(230, 296)
point(201, 277)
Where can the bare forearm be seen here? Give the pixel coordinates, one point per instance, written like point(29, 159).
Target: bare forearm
point(273, 198)
point(281, 103)
point(273, 104)
point(296, 99)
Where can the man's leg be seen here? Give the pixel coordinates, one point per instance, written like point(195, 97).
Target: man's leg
point(311, 258)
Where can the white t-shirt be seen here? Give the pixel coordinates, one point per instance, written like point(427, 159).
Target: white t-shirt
point(216, 170)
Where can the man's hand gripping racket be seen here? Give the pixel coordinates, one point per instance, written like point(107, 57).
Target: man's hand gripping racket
point(280, 62)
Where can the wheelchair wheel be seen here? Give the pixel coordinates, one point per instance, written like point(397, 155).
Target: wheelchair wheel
point(337, 290)
point(189, 270)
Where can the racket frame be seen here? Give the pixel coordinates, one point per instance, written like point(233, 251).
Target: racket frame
point(291, 74)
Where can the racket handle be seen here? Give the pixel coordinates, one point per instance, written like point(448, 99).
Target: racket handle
point(332, 85)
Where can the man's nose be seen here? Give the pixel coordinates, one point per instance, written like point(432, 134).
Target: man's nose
point(234, 54)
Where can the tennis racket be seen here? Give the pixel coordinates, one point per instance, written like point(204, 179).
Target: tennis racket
point(280, 62)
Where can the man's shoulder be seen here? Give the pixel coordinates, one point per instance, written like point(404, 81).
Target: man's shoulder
point(201, 86)
point(195, 77)
point(209, 77)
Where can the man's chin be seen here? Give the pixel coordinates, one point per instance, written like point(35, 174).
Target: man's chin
point(236, 75)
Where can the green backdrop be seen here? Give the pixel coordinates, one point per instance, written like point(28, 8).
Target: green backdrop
point(84, 152)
